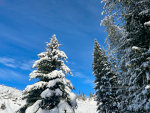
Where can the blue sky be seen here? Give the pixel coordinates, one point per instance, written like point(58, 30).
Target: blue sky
point(25, 26)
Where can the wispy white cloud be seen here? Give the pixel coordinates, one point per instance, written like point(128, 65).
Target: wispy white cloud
point(13, 63)
point(10, 62)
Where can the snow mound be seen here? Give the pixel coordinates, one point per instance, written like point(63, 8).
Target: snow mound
point(10, 99)
point(87, 106)
point(8, 92)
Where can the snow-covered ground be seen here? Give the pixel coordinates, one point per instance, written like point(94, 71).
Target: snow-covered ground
point(10, 101)
point(87, 106)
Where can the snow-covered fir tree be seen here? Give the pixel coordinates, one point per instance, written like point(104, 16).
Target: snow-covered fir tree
point(105, 82)
point(114, 33)
point(136, 50)
point(52, 91)
point(134, 53)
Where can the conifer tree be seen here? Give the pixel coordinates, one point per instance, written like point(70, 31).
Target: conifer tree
point(91, 95)
point(79, 95)
point(133, 51)
point(135, 65)
point(52, 90)
point(84, 96)
point(105, 82)
point(79, 92)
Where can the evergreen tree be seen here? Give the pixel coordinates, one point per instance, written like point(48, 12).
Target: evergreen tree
point(52, 90)
point(105, 82)
point(79, 92)
point(133, 51)
point(91, 95)
point(79, 95)
point(135, 66)
point(84, 96)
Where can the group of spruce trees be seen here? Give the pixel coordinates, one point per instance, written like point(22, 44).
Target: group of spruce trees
point(122, 74)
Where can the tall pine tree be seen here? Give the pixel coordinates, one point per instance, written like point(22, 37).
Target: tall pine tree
point(52, 91)
point(105, 82)
point(133, 53)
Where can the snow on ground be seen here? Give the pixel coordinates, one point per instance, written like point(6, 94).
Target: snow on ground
point(87, 106)
point(10, 101)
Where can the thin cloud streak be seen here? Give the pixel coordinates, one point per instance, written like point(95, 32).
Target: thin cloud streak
point(9, 62)
point(13, 63)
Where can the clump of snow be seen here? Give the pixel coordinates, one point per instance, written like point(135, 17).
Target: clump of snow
point(103, 12)
point(103, 1)
point(136, 48)
point(58, 92)
point(49, 93)
point(61, 54)
point(147, 23)
point(147, 87)
point(46, 93)
point(37, 85)
point(37, 62)
point(145, 12)
point(148, 58)
point(41, 55)
point(51, 75)
point(53, 82)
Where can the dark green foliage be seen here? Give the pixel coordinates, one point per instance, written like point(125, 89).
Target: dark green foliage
point(105, 82)
point(3, 107)
point(22, 109)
